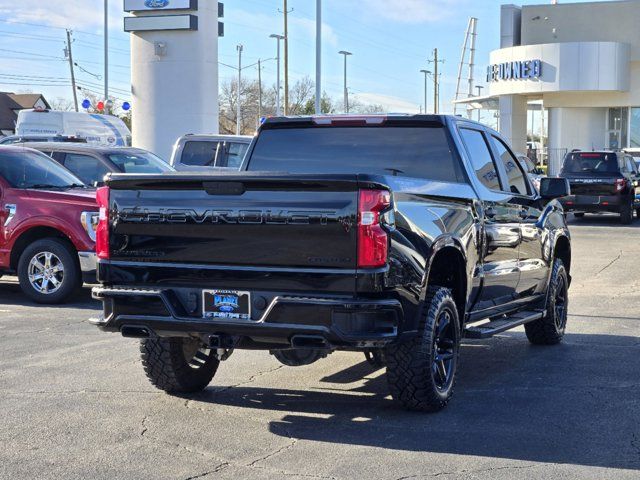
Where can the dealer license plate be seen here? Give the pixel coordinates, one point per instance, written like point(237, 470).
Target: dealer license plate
point(226, 304)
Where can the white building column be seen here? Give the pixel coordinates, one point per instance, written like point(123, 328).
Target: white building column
point(513, 121)
point(174, 78)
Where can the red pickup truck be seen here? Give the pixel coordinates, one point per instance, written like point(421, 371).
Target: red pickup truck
point(47, 225)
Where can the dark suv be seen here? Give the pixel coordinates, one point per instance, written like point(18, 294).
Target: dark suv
point(601, 181)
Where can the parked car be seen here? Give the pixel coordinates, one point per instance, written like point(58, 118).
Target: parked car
point(96, 128)
point(635, 153)
point(208, 152)
point(47, 225)
point(91, 163)
point(13, 139)
point(391, 235)
point(601, 181)
point(534, 172)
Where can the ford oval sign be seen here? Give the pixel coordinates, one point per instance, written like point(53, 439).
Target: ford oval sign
point(156, 3)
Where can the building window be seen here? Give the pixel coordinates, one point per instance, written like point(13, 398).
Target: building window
point(634, 130)
point(618, 125)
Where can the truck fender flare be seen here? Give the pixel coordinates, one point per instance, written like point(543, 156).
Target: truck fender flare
point(560, 237)
point(442, 242)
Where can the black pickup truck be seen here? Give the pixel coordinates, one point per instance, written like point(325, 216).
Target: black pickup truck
point(392, 235)
point(601, 181)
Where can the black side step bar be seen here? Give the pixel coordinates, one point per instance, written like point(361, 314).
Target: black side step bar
point(502, 324)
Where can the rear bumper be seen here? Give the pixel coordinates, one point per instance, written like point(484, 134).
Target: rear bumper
point(592, 203)
point(285, 321)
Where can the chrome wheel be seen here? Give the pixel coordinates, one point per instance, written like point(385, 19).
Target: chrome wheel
point(46, 272)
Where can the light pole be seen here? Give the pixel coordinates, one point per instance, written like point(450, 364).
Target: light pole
point(479, 87)
point(278, 38)
point(106, 50)
point(346, 92)
point(318, 56)
point(426, 72)
point(239, 48)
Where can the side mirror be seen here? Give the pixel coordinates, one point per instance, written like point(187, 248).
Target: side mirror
point(551, 188)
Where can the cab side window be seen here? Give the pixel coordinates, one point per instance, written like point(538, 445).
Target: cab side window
point(481, 158)
point(515, 175)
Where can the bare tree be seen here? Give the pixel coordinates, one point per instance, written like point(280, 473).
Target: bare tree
point(301, 92)
point(301, 102)
point(63, 104)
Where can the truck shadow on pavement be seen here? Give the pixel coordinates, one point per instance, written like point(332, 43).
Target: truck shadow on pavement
point(11, 294)
point(574, 403)
point(601, 220)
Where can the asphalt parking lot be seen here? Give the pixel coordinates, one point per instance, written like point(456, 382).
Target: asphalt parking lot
point(74, 402)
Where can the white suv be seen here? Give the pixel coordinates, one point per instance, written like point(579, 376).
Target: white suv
point(207, 152)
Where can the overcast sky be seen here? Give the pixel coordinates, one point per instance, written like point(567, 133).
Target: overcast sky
point(390, 40)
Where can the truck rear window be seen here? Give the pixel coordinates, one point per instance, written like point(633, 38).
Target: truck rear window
point(422, 152)
point(590, 162)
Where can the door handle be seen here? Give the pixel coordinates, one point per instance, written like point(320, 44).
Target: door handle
point(524, 214)
point(490, 212)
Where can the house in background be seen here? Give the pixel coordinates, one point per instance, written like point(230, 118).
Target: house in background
point(12, 103)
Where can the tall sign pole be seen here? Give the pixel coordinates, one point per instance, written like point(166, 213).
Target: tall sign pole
point(318, 56)
point(286, 58)
point(259, 91)
point(238, 111)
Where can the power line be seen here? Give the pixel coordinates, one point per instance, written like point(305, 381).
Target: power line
point(36, 77)
point(31, 84)
point(31, 53)
point(84, 43)
point(41, 25)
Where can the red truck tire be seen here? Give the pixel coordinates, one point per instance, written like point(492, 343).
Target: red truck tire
point(48, 271)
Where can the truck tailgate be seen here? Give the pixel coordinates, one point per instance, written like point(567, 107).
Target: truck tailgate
point(236, 220)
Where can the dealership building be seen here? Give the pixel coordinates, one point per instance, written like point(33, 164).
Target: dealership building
point(580, 63)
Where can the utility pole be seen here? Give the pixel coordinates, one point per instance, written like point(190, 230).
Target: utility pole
point(479, 88)
point(436, 82)
point(318, 56)
point(259, 91)
point(106, 50)
point(346, 92)
point(278, 38)
point(426, 73)
point(69, 55)
point(285, 13)
point(239, 48)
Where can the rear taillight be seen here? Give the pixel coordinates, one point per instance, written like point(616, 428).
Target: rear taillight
point(102, 231)
point(372, 238)
point(620, 184)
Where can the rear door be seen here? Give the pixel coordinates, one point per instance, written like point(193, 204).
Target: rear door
point(500, 270)
point(533, 268)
